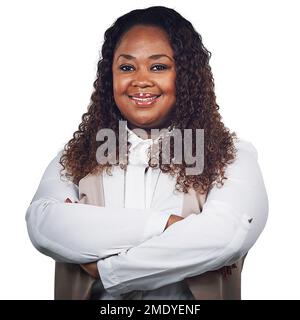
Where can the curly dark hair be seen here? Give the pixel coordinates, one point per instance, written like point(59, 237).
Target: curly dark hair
point(195, 105)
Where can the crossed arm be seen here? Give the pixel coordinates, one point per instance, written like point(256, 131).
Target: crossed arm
point(92, 269)
point(230, 223)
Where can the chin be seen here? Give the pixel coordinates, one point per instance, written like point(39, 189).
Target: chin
point(145, 125)
point(144, 122)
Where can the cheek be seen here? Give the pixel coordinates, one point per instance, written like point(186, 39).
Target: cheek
point(119, 88)
point(120, 84)
point(170, 90)
point(169, 85)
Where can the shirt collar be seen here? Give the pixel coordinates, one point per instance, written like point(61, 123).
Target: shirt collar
point(139, 147)
point(135, 140)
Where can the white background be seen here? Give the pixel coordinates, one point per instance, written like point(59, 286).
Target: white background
point(49, 51)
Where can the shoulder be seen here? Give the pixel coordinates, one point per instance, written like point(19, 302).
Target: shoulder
point(245, 146)
point(55, 160)
point(245, 151)
point(54, 167)
point(245, 165)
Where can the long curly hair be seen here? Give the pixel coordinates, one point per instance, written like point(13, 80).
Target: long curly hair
point(195, 106)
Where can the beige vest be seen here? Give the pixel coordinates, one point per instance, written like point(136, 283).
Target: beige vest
point(73, 283)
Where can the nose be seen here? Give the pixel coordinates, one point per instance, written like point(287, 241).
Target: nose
point(142, 78)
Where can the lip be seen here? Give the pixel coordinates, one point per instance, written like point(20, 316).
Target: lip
point(145, 99)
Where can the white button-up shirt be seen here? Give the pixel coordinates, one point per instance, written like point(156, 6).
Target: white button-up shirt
point(140, 182)
point(144, 261)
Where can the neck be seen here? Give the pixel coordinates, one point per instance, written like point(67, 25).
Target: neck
point(146, 133)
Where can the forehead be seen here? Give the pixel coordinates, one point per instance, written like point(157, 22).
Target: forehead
point(144, 41)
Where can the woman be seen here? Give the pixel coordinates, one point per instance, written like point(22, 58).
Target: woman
point(117, 242)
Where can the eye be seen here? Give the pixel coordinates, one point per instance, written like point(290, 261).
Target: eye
point(159, 67)
point(126, 67)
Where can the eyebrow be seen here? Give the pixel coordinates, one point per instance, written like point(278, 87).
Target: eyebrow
point(152, 57)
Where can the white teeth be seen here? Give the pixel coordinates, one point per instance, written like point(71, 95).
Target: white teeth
point(144, 99)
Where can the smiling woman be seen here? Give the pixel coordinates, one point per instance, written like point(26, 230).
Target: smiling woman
point(135, 230)
point(144, 77)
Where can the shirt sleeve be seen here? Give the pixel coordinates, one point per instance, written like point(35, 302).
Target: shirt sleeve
point(232, 219)
point(81, 233)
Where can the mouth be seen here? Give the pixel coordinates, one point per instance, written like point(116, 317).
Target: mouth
point(144, 101)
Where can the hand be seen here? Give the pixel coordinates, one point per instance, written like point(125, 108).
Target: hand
point(69, 201)
point(172, 219)
point(90, 268)
point(226, 271)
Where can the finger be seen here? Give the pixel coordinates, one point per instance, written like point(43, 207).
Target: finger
point(68, 200)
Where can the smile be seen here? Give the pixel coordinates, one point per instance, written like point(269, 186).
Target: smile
point(144, 101)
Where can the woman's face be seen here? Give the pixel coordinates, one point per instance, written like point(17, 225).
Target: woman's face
point(144, 77)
